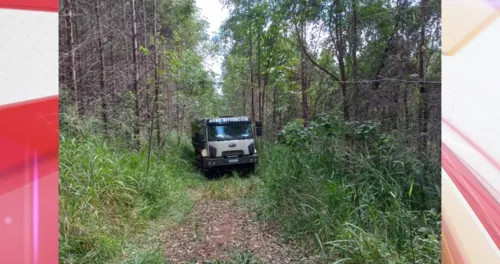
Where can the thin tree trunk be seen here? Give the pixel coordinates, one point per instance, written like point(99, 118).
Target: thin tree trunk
point(113, 73)
point(354, 50)
point(145, 29)
point(266, 81)
point(340, 54)
point(72, 55)
point(303, 81)
point(244, 100)
point(259, 77)
point(274, 105)
point(125, 28)
point(135, 85)
point(113, 80)
point(81, 92)
point(157, 79)
point(250, 61)
point(424, 109)
point(406, 114)
point(102, 79)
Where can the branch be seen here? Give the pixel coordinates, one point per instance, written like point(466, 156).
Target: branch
point(389, 46)
point(309, 57)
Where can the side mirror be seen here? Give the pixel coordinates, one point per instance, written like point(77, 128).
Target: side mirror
point(200, 137)
point(258, 128)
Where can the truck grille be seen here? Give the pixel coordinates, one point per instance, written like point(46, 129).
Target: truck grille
point(233, 153)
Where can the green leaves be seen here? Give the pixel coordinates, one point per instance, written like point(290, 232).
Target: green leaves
point(143, 50)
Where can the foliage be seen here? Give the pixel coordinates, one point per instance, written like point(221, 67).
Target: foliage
point(107, 200)
point(307, 189)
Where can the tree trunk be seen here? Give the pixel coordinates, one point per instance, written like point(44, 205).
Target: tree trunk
point(244, 102)
point(113, 73)
point(157, 79)
point(72, 55)
point(259, 77)
point(340, 55)
point(250, 51)
point(125, 28)
point(274, 105)
point(77, 61)
point(145, 29)
point(135, 85)
point(102, 79)
point(303, 82)
point(266, 81)
point(424, 109)
point(406, 114)
point(354, 56)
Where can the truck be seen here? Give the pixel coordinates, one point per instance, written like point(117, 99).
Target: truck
point(225, 142)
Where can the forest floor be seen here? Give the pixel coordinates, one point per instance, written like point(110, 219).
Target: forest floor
point(220, 230)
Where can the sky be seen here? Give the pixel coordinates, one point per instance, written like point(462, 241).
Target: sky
point(215, 14)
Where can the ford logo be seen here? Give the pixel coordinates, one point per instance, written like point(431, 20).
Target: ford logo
point(232, 145)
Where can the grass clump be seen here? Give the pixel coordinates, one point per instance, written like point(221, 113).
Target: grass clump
point(107, 201)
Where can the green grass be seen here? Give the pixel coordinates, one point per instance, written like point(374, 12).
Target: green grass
point(308, 193)
point(112, 212)
point(107, 202)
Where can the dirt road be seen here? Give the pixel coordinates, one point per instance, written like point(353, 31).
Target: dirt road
point(218, 230)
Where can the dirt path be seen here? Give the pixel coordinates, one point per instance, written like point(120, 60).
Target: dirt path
point(217, 230)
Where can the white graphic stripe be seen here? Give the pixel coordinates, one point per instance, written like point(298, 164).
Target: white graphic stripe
point(470, 93)
point(29, 55)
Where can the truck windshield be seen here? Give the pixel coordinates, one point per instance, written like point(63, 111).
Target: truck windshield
point(230, 131)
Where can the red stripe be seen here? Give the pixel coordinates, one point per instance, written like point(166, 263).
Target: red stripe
point(36, 5)
point(25, 128)
point(494, 192)
point(485, 154)
point(485, 207)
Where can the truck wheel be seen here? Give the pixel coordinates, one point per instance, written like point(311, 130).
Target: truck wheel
point(199, 161)
point(207, 173)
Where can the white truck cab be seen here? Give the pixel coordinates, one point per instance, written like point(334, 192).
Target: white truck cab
point(225, 141)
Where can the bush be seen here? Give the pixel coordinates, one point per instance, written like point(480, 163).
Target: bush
point(353, 193)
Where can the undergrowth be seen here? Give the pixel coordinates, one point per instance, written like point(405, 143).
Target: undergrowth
point(343, 192)
point(108, 205)
point(307, 186)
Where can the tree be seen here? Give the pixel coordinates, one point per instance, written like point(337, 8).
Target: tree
point(71, 65)
point(424, 108)
point(102, 75)
point(135, 84)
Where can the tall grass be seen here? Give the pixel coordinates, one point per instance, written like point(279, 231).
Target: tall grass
point(110, 209)
point(308, 190)
point(107, 202)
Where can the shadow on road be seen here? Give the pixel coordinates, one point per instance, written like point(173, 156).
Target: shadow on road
point(188, 155)
point(219, 174)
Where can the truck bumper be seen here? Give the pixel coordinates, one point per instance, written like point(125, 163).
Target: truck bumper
point(223, 162)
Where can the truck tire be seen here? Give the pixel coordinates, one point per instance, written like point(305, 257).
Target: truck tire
point(205, 171)
point(199, 161)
